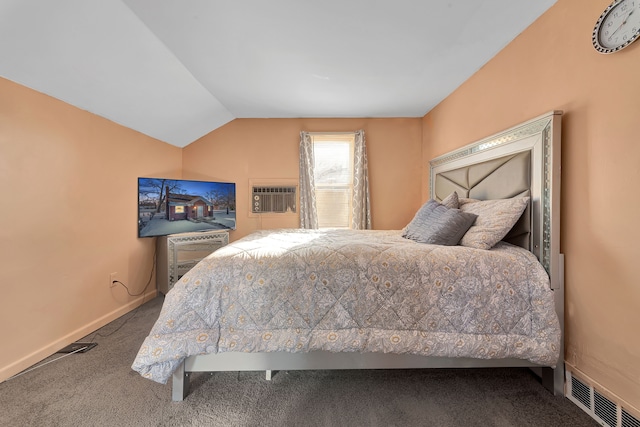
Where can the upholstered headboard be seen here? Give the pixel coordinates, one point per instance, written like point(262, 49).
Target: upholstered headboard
point(523, 160)
point(501, 178)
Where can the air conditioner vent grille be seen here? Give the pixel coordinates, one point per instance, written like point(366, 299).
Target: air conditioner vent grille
point(273, 199)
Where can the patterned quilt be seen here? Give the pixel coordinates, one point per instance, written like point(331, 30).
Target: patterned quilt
point(356, 291)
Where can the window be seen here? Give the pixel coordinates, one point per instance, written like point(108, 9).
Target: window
point(333, 175)
point(334, 183)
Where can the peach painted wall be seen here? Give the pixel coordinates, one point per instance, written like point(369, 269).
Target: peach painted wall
point(68, 219)
point(552, 65)
point(247, 149)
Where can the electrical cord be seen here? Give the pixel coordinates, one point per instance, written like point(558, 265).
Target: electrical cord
point(129, 292)
point(155, 252)
point(153, 266)
point(98, 334)
point(33, 368)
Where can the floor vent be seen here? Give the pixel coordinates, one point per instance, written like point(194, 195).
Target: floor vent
point(599, 407)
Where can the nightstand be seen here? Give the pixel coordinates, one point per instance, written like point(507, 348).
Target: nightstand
point(179, 253)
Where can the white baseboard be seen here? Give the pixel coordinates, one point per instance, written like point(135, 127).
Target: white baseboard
point(46, 351)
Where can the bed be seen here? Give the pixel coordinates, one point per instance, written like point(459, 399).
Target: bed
point(375, 299)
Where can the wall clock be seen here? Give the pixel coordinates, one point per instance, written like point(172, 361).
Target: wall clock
point(617, 27)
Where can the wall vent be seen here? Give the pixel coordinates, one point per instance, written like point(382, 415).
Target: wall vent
point(599, 407)
point(629, 420)
point(581, 392)
point(605, 409)
point(273, 199)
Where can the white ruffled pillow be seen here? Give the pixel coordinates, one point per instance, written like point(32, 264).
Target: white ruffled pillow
point(495, 219)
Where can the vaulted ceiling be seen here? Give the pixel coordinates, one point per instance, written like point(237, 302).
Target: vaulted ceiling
point(178, 69)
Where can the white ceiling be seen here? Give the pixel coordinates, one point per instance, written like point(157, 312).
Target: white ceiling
point(178, 69)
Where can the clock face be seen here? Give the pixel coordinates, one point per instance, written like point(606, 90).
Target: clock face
point(618, 26)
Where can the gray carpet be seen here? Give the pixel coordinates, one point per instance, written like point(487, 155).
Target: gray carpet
point(98, 388)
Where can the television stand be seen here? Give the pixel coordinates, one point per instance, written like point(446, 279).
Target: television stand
point(179, 253)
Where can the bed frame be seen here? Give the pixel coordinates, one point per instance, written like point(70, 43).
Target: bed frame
point(522, 159)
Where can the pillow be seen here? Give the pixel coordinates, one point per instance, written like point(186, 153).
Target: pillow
point(495, 219)
point(451, 201)
point(437, 224)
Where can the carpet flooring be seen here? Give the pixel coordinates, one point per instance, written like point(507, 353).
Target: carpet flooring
point(98, 388)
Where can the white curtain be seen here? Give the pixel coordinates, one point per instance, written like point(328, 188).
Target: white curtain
point(308, 210)
point(361, 215)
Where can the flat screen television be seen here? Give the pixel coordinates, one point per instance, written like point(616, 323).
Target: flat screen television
point(171, 206)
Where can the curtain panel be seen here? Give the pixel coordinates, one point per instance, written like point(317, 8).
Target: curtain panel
point(361, 215)
point(308, 209)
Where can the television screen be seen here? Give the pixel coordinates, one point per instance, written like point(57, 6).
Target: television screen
point(170, 206)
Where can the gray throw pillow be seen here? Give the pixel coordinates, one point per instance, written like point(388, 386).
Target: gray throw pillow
point(437, 224)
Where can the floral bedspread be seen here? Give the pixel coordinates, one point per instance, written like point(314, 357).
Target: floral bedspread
point(356, 291)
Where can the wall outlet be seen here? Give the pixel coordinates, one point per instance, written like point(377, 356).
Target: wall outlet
point(112, 277)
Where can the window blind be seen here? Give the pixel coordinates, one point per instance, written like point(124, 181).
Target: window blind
point(333, 174)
